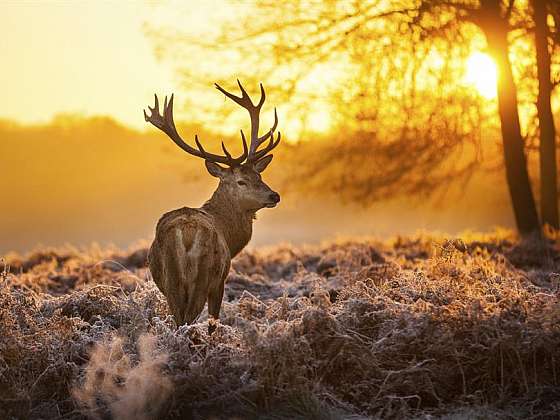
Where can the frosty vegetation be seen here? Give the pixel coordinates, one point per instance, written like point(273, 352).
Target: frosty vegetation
point(420, 326)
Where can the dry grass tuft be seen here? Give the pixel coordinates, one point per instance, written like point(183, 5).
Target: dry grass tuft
point(113, 383)
point(415, 327)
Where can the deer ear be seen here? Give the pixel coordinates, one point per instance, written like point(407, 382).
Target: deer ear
point(214, 169)
point(261, 164)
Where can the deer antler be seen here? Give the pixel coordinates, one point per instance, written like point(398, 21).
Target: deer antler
point(166, 124)
point(254, 113)
point(252, 153)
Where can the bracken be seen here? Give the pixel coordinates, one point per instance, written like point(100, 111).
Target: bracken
point(422, 326)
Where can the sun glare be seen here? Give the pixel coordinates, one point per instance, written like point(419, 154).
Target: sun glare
point(481, 74)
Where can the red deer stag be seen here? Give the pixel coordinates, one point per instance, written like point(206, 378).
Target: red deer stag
point(193, 247)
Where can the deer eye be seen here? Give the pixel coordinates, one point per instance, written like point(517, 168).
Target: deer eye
point(241, 183)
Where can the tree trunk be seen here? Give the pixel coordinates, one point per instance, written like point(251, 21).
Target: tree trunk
point(547, 145)
point(517, 176)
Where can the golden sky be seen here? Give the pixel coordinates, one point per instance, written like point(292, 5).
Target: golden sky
point(88, 57)
point(94, 58)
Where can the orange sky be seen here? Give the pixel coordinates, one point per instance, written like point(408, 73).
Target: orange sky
point(93, 57)
point(89, 57)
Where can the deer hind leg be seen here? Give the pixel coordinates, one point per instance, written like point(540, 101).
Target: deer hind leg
point(215, 297)
point(216, 289)
point(167, 274)
point(195, 304)
point(180, 272)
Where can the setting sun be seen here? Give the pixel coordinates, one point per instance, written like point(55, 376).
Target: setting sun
point(481, 73)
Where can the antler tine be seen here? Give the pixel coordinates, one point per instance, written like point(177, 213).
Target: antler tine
point(254, 113)
point(246, 98)
point(225, 150)
point(245, 148)
point(156, 104)
point(244, 93)
point(155, 108)
point(244, 101)
point(199, 145)
point(271, 145)
point(263, 97)
point(268, 136)
point(268, 133)
point(166, 124)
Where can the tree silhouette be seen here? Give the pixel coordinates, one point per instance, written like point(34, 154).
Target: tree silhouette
point(547, 132)
point(407, 128)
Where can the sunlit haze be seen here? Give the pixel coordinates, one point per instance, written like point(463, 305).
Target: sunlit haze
point(83, 165)
point(89, 57)
point(95, 59)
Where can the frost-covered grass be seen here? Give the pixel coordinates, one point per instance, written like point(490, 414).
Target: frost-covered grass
point(413, 327)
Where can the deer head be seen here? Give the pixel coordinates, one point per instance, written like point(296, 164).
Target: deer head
point(240, 177)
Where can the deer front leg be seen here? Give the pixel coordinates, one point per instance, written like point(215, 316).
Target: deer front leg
point(215, 297)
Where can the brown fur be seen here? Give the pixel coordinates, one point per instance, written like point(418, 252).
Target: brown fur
point(192, 250)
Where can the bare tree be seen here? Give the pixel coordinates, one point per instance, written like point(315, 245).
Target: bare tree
point(547, 131)
point(492, 17)
point(385, 45)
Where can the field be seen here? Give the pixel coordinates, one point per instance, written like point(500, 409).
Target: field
point(413, 327)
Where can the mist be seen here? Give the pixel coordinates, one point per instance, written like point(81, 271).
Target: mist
point(83, 180)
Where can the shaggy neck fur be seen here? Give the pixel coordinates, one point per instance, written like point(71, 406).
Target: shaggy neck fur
point(235, 224)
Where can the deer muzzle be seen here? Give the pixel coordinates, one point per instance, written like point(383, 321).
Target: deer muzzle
point(274, 199)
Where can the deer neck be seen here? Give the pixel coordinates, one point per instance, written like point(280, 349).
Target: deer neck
point(235, 224)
